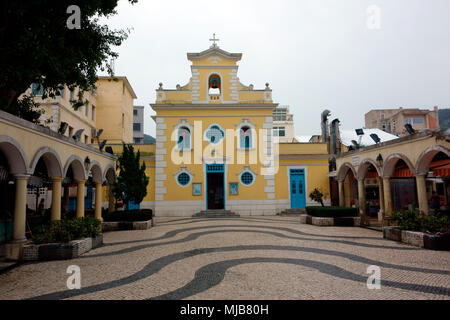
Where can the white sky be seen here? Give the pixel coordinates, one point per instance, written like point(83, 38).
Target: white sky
point(316, 54)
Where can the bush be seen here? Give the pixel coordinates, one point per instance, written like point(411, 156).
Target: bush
point(411, 220)
point(128, 215)
point(66, 230)
point(331, 212)
point(317, 196)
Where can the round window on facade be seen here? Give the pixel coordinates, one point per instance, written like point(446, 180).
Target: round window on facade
point(183, 179)
point(247, 178)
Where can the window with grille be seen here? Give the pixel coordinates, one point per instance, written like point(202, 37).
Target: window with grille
point(247, 178)
point(279, 131)
point(245, 138)
point(184, 138)
point(279, 114)
point(183, 179)
point(215, 134)
point(215, 168)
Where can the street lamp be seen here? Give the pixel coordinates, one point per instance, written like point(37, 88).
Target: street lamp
point(380, 160)
point(87, 162)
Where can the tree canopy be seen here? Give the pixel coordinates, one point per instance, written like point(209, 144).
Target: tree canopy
point(37, 46)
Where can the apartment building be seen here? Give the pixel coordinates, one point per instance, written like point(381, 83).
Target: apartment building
point(394, 120)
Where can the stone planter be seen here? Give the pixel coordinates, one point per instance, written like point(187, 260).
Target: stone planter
point(125, 225)
point(60, 251)
point(392, 233)
point(437, 242)
point(418, 239)
point(320, 221)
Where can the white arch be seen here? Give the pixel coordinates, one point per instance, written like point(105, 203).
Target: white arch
point(97, 175)
point(183, 123)
point(79, 172)
point(221, 84)
point(364, 165)
point(343, 170)
point(252, 127)
point(17, 160)
point(425, 158)
point(51, 159)
point(108, 173)
point(391, 161)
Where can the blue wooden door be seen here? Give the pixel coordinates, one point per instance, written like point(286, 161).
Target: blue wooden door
point(297, 188)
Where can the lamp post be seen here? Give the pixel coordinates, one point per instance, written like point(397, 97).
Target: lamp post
point(87, 163)
point(380, 160)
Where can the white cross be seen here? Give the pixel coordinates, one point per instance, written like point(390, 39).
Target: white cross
point(214, 40)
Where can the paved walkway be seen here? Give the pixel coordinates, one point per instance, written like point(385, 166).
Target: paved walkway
point(243, 258)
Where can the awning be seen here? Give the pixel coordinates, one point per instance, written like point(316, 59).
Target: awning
point(440, 168)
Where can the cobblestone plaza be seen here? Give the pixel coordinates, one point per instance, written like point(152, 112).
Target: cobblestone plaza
point(243, 258)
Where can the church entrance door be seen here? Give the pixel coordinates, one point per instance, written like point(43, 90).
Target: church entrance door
point(215, 182)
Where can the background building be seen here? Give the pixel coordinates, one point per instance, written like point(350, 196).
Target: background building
point(394, 120)
point(109, 107)
point(138, 124)
point(59, 110)
point(283, 124)
point(115, 109)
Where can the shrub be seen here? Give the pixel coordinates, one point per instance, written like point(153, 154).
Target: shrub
point(411, 220)
point(66, 230)
point(407, 220)
point(128, 215)
point(317, 196)
point(331, 212)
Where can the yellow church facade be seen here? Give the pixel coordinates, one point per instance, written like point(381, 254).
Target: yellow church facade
point(215, 149)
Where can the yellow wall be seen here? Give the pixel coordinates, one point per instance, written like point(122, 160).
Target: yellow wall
point(115, 110)
point(177, 192)
point(316, 176)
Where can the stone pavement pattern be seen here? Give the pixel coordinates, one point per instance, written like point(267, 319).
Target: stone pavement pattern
point(243, 258)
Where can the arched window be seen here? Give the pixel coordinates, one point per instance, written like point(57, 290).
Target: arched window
point(184, 138)
point(214, 134)
point(245, 138)
point(214, 85)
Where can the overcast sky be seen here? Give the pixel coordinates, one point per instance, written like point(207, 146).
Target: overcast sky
point(316, 54)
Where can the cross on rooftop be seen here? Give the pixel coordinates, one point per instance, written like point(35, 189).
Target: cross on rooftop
point(214, 40)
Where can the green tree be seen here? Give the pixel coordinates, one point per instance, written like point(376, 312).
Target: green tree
point(37, 46)
point(317, 196)
point(132, 182)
